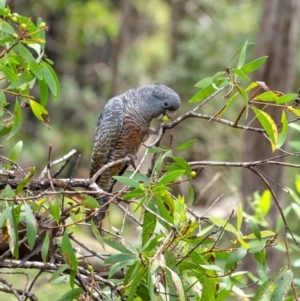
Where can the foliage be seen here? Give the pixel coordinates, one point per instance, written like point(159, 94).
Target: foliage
point(180, 255)
point(23, 65)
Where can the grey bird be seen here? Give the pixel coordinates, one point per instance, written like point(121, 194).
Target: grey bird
point(123, 125)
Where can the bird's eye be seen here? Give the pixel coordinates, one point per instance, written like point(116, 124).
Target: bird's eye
point(166, 104)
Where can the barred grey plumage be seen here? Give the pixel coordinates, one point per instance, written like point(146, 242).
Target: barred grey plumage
point(123, 125)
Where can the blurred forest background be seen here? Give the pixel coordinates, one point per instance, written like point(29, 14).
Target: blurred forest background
point(103, 48)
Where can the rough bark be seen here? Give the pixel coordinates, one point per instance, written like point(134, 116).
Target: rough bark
point(278, 38)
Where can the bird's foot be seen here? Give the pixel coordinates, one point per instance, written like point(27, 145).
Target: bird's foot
point(133, 159)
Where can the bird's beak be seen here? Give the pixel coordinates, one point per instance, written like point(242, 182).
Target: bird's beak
point(160, 116)
point(170, 113)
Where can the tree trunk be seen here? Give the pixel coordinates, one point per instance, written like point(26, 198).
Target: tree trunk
point(278, 37)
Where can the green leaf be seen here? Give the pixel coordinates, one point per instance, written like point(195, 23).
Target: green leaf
point(243, 94)
point(239, 217)
point(68, 252)
point(255, 229)
point(121, 257)
point(264, 233)
point(268, 96)
point(235, 258)
point(208, 289)
point(240, 73)
point(177, 284)
point(39, 111)
point(26, 180)
point(134, 194)
point(203, 94)
point(222, 223)
point(31, 226)
point(240, 49)
point(170, 177)
point(254, 65)
point(72, 294)
point(16, 151)
point(293, 110)
point(90, 202)
point(32, 64)
point(118, 266)
point(45, 247)
point(283, 130)
point(7, 192)
point(242, 56)
point(282, 286)
point(59, 271)
point(270, 281)
point(2, 4)
point(127, 181)
point(50, 78)
point(165, 210)
point(12, 229)
point(269, 126)
point(134, 283)
point(155, 149)
point(10, 75)
point(43, 92)
point(55, 209)
point(264, 203)
point(149, 225)
point(17, 120)
point(191, 195)
point(139, 177)
point(204, 82)
point(120, 245)
point(286, 98)
point(97, 234)
point(186, 144)
point(6, 28)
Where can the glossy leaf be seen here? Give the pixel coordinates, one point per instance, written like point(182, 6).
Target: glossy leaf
point(204, 82)
point(33, 65)
point(186, 144)
point(68, 252)
point(149, 227)
point(45, 247)
point(286, 98)
point(255, 229)
point(127, 181)
point(71, 295)
point(31, 226)
point(25, 181)
point(270, 281)
point(269, 126)
point(265, 202)
point(239, 217)
point(222, 223)
point(16, 151)
point(235, 258)
point(50, 78)
point(170, 177)
point(283, 130)
point(38, 110)
point(242, 56)
point(240, 73)
point(43, 92)
point(90, 202)
point(254, 65)
point(17, 120)
point(282, 286)
point(268, 96)
point(96, 233)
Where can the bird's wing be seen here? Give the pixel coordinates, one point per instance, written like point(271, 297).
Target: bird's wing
point(109, 126)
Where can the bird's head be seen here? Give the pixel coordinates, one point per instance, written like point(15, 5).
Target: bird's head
point(158, 100)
